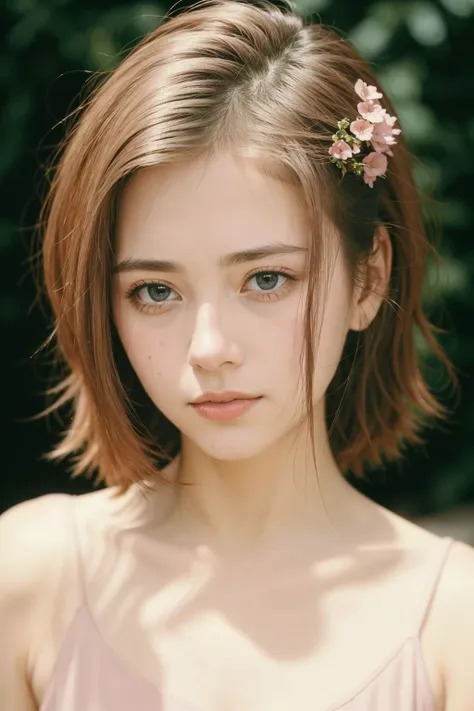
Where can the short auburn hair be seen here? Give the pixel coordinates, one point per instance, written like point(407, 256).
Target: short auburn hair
point(266, 82)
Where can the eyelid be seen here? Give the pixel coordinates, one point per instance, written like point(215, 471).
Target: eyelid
point(258, 270)
point(144, 282)
point(281, 271)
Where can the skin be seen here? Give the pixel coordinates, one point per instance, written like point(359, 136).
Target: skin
point(220, 329)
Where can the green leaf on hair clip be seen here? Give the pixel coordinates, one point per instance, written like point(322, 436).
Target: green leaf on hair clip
point(343, 123)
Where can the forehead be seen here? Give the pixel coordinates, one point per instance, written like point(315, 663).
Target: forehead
point(223, 202)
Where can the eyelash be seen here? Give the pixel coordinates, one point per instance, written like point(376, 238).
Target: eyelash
point(134, 290)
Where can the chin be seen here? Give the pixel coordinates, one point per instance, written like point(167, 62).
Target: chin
point(229, 446)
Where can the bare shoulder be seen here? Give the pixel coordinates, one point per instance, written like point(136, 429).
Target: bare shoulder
point(408, 534)
point(37, 540)
point(30, 543)
point(31, 536)
point(40, 589)
point(459, 571)
point(456, 619)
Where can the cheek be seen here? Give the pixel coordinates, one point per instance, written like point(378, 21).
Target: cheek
point(333, 335)
point(156, 369)
point(330, 332)
point(147, 351)
point(150, 356)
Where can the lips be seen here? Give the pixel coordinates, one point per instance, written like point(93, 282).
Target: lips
point(221, 402)
point(225, 409)
point(223, 397)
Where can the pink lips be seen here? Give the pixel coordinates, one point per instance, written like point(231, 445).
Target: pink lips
point(225, 410)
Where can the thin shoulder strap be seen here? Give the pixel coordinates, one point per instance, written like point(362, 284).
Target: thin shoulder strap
point(76, 545)
point(441, 555)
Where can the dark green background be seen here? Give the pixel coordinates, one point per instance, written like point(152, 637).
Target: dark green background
point(423, 53)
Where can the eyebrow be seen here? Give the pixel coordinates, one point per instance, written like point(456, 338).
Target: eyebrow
point(228, 260)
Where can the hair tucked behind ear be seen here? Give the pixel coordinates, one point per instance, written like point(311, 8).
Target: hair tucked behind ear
point(263, 82)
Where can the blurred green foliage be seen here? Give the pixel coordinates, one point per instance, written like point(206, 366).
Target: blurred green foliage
point(421, 50)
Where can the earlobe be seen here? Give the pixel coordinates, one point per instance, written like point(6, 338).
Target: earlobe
point(369, 297)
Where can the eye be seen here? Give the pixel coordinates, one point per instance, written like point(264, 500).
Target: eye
point(156, 292)
point(151, 296)
point(268, 280)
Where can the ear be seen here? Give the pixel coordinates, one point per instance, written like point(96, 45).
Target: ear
point(372, 283)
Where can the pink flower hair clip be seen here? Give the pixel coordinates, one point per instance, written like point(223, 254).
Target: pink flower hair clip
point(374, 127)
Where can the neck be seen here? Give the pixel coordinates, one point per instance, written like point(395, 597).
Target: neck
point(274, 498)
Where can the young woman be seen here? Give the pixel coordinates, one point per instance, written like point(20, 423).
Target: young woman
point(234, 252)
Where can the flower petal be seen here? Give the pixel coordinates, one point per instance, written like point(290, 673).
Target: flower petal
point(363, 129)
point(340, 150)
point(372, 111)
point(366, 92)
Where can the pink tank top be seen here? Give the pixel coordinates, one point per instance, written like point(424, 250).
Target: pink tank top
point(89, 676)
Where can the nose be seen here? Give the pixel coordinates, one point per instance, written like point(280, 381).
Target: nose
point(210, 347)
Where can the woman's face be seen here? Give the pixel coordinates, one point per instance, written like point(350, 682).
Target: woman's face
point(210, 323)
